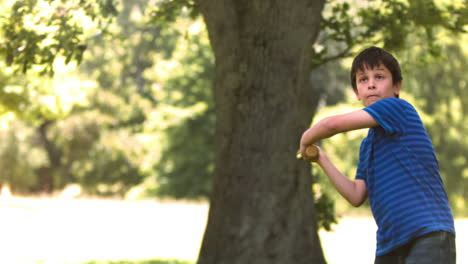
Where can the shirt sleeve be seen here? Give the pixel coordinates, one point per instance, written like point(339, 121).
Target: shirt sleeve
point(361, 173)
point(389, 113)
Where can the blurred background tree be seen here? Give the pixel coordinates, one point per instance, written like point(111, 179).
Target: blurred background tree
point(189, 143)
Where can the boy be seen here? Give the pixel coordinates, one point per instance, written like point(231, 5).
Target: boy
point(397, 168)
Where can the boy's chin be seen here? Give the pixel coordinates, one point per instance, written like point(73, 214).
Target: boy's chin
point(371, 101)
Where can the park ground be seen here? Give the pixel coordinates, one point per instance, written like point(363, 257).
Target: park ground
point(71, 231)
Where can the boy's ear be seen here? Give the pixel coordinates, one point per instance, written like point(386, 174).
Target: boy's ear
point(397, 88)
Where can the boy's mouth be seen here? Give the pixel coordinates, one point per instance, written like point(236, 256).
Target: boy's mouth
point(372, 99)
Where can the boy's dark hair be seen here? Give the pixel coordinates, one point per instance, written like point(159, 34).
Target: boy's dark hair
point(373, 57)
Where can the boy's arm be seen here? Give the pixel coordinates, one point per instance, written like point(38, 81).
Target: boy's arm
point(355, 192)
point(332, 125)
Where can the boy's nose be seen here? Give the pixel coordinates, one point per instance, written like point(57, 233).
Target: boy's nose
point(371, 84)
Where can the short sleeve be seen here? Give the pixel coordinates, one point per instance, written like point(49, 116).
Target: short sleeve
point(389, 113)
point(361, 172)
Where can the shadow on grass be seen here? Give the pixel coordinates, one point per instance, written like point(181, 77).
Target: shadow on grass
point(148, 261)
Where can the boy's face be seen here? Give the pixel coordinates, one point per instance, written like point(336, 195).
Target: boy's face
point(375, 84)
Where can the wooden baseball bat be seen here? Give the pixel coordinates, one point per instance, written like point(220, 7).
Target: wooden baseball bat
point(311, 154)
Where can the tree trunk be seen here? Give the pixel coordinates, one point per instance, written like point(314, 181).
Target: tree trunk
point(261, 207)
point(51, 149)
point(46, 174)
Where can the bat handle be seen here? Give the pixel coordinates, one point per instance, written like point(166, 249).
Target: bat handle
point(311, 153)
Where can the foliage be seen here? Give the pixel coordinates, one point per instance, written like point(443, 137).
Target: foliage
point(124, 64)
point(107, 172)
point(76, 117)
point(388, 23)
point(440, 87)
point(91, 134)
point(12, 93)
point(100, 161)
point(19, 158)
point(169, 11)
point(325, 208)
point(117, 159)
point(39, 32)
point(186, 165)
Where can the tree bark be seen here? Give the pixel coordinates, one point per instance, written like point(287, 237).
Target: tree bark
point(52, 151)
point(46, 174)
point(261, 208)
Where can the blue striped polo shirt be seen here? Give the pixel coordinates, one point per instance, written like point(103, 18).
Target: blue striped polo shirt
point(398, 163)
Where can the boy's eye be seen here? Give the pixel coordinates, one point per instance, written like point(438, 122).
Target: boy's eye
point(379, 77)
point(363, 79)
